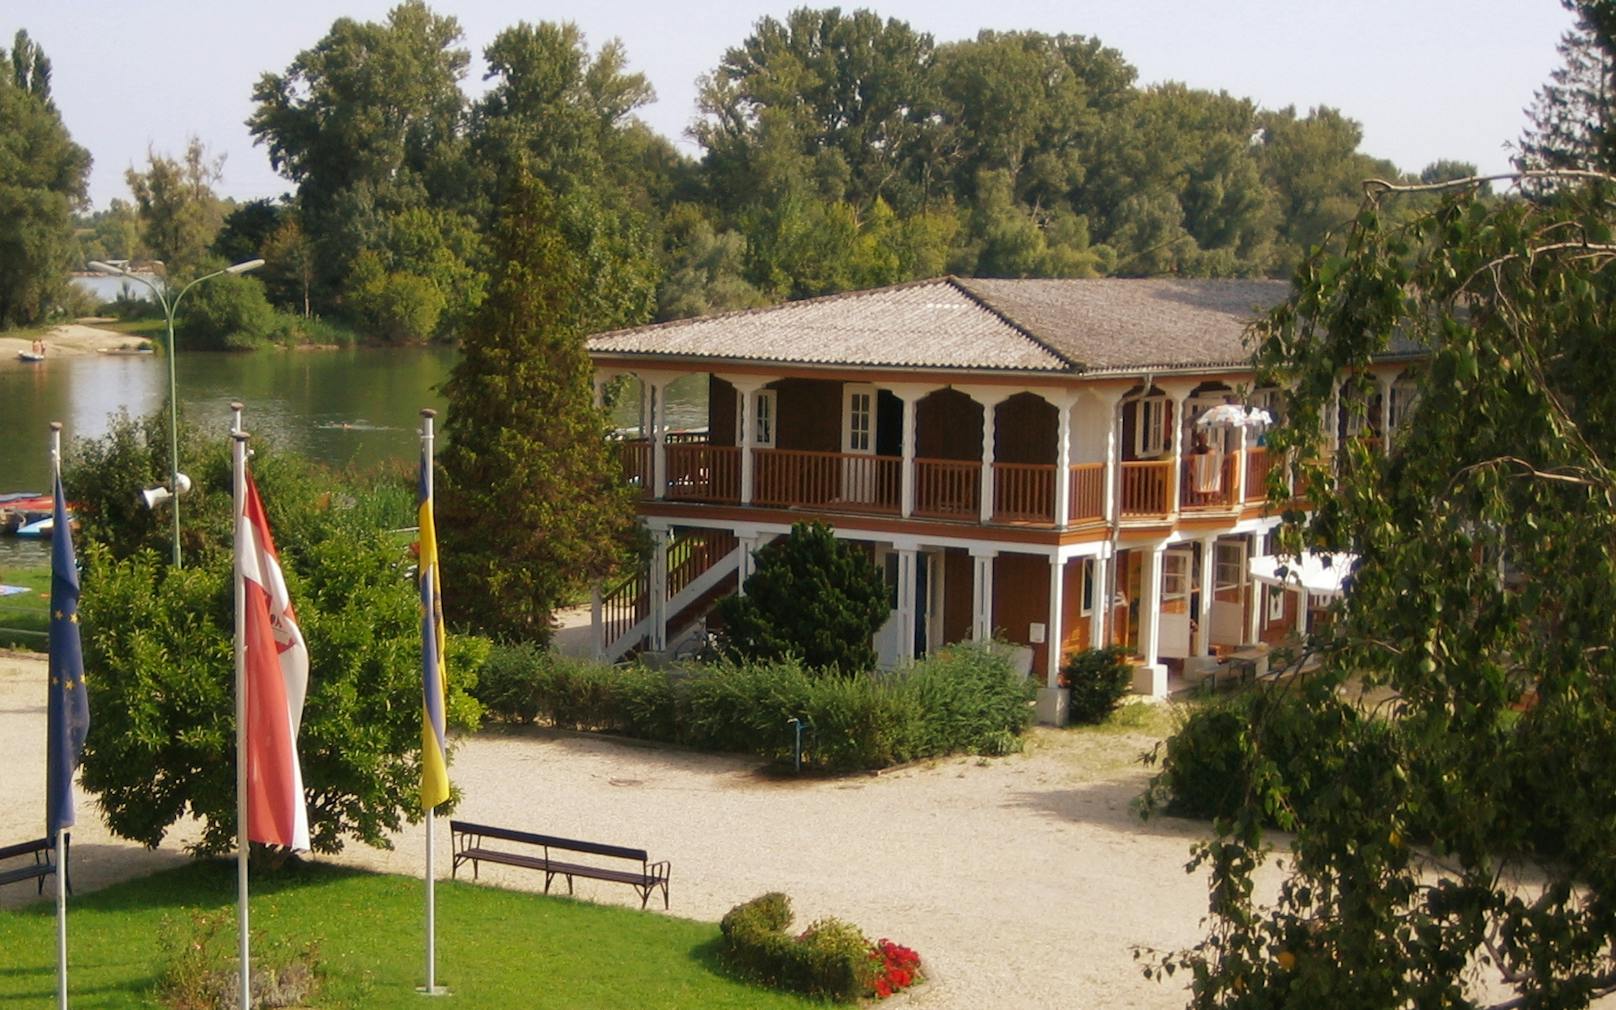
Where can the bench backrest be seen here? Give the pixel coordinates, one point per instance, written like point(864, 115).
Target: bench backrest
point(548, 841)
point(27, 848)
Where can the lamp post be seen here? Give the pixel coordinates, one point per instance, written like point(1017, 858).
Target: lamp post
point(173, 393)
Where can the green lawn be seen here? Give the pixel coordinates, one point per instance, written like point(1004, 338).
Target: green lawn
point(155, 329)
point(25, 618)
point(496, 948)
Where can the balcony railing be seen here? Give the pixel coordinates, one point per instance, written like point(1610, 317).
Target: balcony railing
point(1144, 487)
point(947, 488)
point(1024, 492)
point(1257, 464)
point(709, 473)
point(1207, 481)
point(1087, 492)
point(691, 555)
point(847, 481)
point(635, 455)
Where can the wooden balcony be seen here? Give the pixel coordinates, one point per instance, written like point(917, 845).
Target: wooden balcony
point(849, 482)
point(1144, 487)
point(1257, 465)
point(1087, 492)
point(1024, 493)
point(947, 488)
point(707, 473)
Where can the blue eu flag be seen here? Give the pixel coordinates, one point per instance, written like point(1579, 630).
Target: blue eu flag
point(68, 712)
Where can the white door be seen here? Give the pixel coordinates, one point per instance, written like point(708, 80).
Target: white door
point(888, 636)
point(1177, 565)
point(1229, 588)
point(858, 440)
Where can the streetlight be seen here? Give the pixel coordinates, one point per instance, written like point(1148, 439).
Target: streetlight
point(173, 394)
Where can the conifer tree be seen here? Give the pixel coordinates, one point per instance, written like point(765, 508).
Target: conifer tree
point(532, 506)
point(1570, 116)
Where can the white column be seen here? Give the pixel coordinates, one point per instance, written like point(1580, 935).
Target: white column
point(981, 596)
point(1053, 633)
point(1063, 461)
point(1176, 478)
point(1332, 424)
point(1098, 601)
point(645, 407)
point(1254, 595)
point(1113, 457)
point(1203, 627)
point(907, 478)
point(600, 391)
point(1242, 439)
point(659, 427)
point(906, 604)
point(1150, 601)
point(749, 545)
point(659, 590)
point(985, 494)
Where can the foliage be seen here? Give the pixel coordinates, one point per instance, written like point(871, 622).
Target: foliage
point(831, 959)
point(811, 596)
point(226, 313)
point(43, 175)
point(178, 213)
point(1484, 586)
point(533, 505)
point(1570, 119)
point(200, 969)
point(966, 698)
point(1096, 682)
point(158, 648)
point(551, 953)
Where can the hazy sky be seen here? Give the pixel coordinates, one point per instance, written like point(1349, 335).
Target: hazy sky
point(1428, 79)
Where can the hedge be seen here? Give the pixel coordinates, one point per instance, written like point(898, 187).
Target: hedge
point(831, 959)
point(966, 698)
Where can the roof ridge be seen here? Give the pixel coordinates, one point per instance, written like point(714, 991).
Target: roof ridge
point(960, 284)
point(760, 309)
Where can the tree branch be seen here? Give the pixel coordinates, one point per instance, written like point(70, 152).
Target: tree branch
point(1374, 187)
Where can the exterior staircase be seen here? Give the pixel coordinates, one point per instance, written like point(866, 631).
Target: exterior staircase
point(699, 563)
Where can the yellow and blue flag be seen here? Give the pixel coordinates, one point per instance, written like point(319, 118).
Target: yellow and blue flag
point(68, 709)
point(434, 749)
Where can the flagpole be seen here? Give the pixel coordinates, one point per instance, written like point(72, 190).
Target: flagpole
point(427, 414)
point(61, 833)
point(239, 459)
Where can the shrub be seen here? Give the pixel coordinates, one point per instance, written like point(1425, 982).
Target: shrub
point(971, 699)
point(507, 685)
point(831, 959)
point(1096, 681)
point(226, 313)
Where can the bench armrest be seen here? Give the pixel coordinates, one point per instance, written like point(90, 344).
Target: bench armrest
point(658, 870)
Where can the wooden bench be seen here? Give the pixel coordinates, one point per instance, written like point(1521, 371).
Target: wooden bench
point(470, 846)
point(42, 849)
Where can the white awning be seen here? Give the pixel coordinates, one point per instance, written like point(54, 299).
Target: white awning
point(1319, 574)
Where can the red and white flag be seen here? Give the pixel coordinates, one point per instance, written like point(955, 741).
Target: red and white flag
point(277, 678)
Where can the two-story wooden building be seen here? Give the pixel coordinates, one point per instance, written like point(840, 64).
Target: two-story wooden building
point(1021, 457)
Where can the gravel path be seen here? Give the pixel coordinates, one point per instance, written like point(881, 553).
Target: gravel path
point(1023, 881)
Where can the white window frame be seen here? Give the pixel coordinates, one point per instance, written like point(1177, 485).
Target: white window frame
point(765, 417)
point(1086, 589)
point(1150, 426)
point(1227, 556)
point(850, 433)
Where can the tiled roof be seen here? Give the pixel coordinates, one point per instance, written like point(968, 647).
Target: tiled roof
point(1021, 325)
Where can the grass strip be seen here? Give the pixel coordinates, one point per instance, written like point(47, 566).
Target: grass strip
point(25, 617)
point(496, 948)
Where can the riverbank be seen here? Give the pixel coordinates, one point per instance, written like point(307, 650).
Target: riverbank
point(71, 340)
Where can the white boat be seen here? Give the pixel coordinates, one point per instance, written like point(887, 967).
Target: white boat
point(39, 528)
point(29, 356)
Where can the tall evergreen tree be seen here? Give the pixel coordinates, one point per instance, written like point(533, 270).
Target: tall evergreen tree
point(532, 506)
point(1569, 120)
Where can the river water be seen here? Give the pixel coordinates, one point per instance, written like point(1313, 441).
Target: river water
point(353, 406)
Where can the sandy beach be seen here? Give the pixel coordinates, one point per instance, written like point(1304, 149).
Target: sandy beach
point(71, 339)
point(1023, 881)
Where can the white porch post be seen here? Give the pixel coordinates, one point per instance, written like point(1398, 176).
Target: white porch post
point(746, 389)
point(989, 398)
point(1098, 601)
point(659, 429)
point(1063, 460)
point(597, 622)
point(907, 473)
point(1333, 422)
point(600, 391)
point(1244, 440)
point(1053, 701)
point(659, 590)
point(749, 544)
point(1384, 382)
point(1301, 612)
point(1151, 679)
point(906, 604)
point(981, 595)
point(1113, 456)
point(1254, 594)
point(1175, 482)
point(1203, 627)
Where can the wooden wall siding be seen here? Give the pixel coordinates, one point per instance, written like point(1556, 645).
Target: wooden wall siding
point(1024, 430)
point(1021, 598)
point(720, 411)
point(948, 425)
point(810, 415)
point(958, 584)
